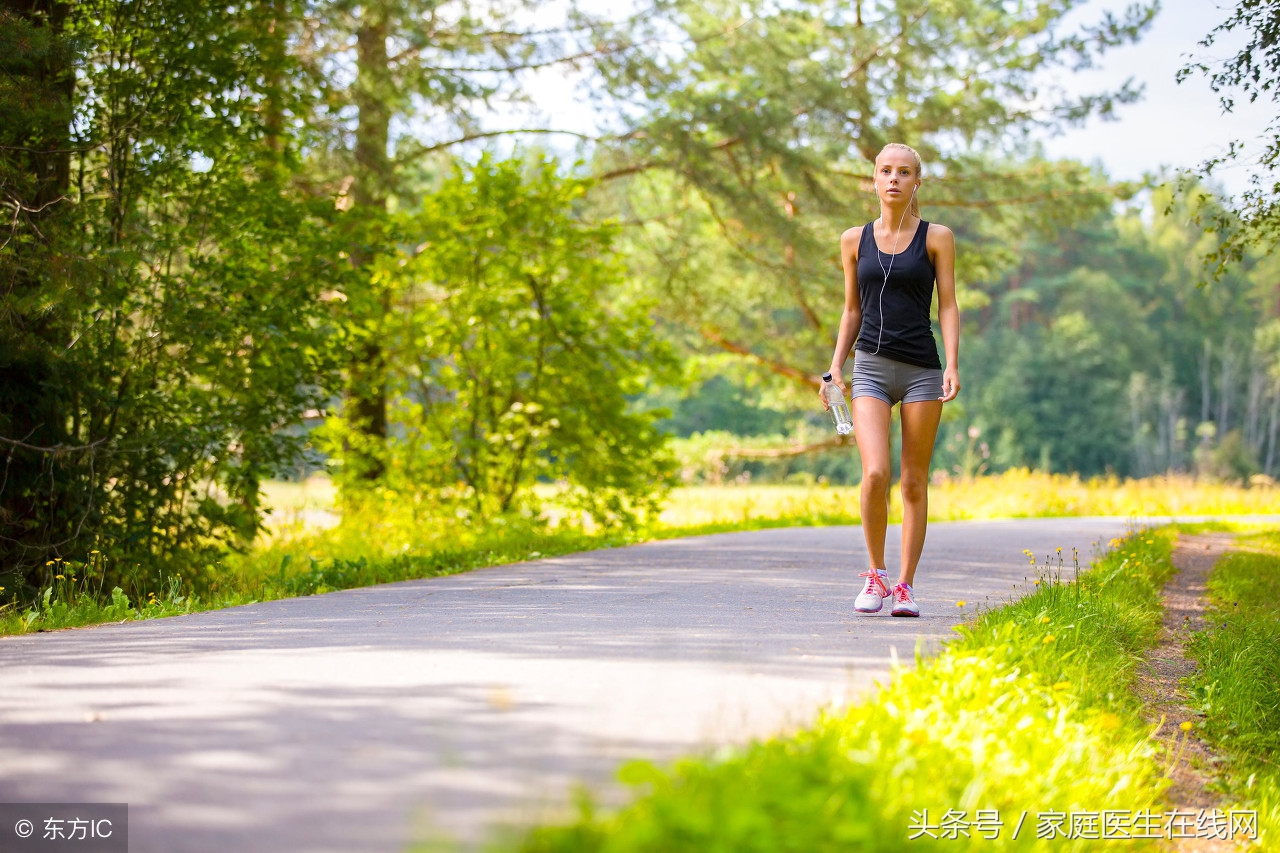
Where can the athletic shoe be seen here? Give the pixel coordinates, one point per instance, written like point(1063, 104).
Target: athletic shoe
point(903, 603)
point(872, 597)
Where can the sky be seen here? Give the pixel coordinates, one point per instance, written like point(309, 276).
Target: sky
point(1174, 125)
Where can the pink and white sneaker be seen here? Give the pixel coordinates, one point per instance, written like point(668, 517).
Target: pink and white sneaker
point(872, 597)
point(903, 603)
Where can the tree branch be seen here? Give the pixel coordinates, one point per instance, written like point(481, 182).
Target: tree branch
point(471, 137)
point(712, 334)
point(793, 450)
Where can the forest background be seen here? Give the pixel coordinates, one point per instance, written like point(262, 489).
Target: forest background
point(249, 241)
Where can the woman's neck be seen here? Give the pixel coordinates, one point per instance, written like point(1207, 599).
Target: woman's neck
point(896, 217)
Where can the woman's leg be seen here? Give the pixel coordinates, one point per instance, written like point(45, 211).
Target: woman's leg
point(919, 431)
point(871, 430)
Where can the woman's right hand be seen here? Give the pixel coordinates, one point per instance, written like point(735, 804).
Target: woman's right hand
point(838, 381)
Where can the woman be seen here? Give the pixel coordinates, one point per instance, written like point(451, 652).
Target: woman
point(890, 267)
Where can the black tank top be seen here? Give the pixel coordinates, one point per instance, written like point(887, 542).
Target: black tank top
point(895, 315)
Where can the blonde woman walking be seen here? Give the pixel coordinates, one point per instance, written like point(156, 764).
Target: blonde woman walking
point(891, 266)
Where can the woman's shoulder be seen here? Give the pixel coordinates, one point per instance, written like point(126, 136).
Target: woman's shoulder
point(851, 239)
point(939, 235)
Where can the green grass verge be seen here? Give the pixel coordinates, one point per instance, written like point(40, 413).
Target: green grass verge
point(72, 595)
point(1237, 683)
point(1029, 710)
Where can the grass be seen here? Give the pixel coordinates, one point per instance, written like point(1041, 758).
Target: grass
point(1030, 710)
point(308, 551)
point(1017, 493)
point(1237, 684)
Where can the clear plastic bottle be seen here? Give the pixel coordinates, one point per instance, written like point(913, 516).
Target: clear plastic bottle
point(839, 409)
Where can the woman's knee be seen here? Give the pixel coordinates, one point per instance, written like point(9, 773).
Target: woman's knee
point(915, 488)
point(875, 479)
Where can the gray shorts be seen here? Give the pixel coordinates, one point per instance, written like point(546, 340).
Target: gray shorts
point(894, 381)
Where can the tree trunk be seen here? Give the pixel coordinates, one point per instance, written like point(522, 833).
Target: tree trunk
point(273, 108)
point(367, 374)
point(1225, 382)
point(35, 506)
point(1271, 433)
point(1206, 392)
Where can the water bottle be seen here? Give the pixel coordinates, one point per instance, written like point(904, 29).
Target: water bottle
point(839, 409)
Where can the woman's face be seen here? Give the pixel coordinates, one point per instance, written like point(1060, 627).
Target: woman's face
point(896, 176)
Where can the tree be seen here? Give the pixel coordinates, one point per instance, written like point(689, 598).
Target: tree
point(417, 63)
point(745, 145)
point(511, 360)
point(1252, 73)
point(175, 318)
point(35, 124)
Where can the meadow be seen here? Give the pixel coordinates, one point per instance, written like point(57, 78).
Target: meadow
point(1017, 493)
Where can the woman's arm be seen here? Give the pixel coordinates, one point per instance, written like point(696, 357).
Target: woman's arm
point(851, 318)
point(941, 244)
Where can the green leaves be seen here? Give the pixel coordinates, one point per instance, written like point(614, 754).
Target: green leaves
point(1250, 228)
point(173, 327)
point(511, 354)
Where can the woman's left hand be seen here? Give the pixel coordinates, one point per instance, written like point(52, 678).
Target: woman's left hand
point(950, 384)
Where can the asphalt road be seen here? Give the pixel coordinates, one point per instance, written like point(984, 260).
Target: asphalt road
point(449, 708)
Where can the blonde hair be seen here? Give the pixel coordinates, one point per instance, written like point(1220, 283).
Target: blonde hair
point(914, 208)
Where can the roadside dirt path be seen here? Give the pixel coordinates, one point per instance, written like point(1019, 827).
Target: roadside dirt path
point(1159, 680)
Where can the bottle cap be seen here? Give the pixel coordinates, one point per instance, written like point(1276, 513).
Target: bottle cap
point(826, 377)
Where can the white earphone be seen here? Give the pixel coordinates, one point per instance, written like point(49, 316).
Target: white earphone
point(884, 284)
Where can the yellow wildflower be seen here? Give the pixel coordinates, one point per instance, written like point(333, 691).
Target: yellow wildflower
point(959, 604)
point(1187, 726)
point(1049, 638)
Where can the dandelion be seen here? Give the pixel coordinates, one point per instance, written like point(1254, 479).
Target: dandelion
point(95, 552)
point(1108, 721)
point(1062, 685)
point(959, 604)
point(60, 577)
point(1037, 582)
point(1187, 726)
point(50, 563)
point(1044, 620)
point(1049, 638)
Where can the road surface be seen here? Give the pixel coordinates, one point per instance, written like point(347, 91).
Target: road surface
point(448, 708)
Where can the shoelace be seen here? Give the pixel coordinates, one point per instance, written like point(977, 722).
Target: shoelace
point(901, 593)
point(874, 580)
